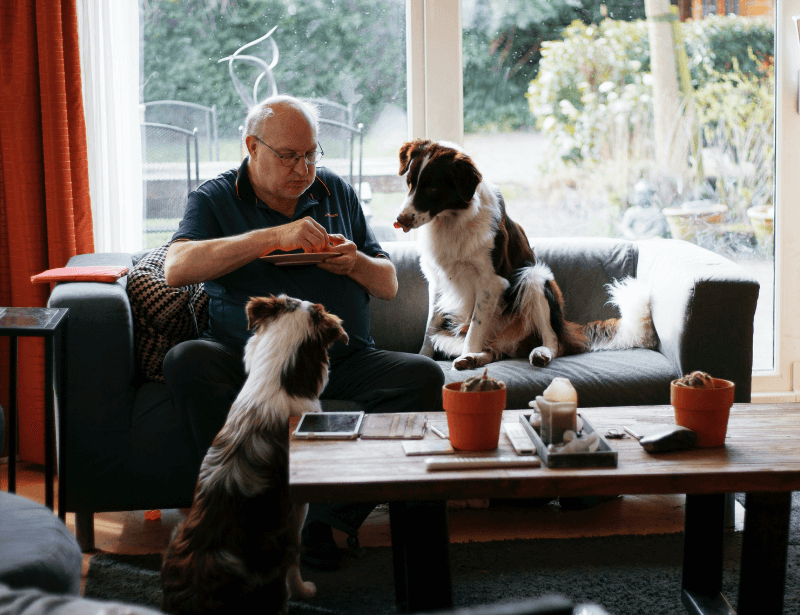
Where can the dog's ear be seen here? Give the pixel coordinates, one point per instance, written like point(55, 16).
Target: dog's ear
point(333, 330)
point(408, 151)
point(329, 326)
point(465, 176)
point(262, 309)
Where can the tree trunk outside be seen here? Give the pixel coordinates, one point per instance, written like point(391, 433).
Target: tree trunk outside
point(667, 108)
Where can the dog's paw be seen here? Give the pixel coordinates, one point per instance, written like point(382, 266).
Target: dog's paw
point(471, 360)
point(305, 590)
point(309, 591)
point(540, 356)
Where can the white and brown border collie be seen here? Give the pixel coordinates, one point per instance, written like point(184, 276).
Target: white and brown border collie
point(488, 296)
point(238, 549)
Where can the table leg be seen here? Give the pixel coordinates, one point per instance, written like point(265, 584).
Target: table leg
point(421, 555)
point(12, 415)
point(703, 555)
point(62, 423)
point(764, 551)
point(49, 422)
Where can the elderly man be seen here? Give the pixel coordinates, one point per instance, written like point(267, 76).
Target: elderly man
point(279, 200)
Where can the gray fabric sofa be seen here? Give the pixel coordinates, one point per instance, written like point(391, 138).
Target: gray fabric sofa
point(127, 449)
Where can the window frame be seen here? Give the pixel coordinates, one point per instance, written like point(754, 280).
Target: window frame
point(435, 103)
point(782, 383)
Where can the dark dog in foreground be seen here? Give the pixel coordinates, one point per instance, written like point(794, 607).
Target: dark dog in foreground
point(489, 297)
point(238, 549)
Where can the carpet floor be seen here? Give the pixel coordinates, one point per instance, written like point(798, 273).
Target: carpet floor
point(627, 575)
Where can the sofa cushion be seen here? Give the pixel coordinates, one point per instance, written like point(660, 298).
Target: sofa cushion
point(36, 548)
point(582, 268)
point(605, 378)
point(163, 315)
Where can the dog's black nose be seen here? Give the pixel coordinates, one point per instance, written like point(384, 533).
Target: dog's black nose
point(404, 222)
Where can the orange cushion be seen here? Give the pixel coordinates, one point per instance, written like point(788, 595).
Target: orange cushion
point(96, 273)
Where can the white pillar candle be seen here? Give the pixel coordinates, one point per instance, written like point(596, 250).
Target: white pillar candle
point(563, 415)
point(544, 410)
point(562, 399)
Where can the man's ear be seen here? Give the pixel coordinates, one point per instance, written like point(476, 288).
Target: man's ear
point(408, 151)
point(262, 309)
point(250, 143)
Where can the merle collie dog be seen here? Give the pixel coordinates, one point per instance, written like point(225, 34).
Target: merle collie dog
point(238, 549)
point(489, 297)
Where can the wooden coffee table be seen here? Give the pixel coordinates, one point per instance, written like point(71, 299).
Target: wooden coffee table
point(761, 458)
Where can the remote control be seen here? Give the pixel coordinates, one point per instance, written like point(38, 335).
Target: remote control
point(519, 439)
point(470, 463)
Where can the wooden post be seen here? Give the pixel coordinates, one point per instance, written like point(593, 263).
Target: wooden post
point(667, 109)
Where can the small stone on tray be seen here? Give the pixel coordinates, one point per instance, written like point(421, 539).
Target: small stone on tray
point(576, 444)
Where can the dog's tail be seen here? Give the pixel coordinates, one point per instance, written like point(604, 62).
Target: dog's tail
point(633, 329)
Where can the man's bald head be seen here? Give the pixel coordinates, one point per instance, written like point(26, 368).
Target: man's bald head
point(273, 108)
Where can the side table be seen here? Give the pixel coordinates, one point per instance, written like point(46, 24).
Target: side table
point(46, 323)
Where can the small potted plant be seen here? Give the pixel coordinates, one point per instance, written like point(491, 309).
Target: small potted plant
point(474, 410)
point(703, 404)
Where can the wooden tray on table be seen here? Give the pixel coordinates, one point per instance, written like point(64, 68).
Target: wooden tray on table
point(603, 457)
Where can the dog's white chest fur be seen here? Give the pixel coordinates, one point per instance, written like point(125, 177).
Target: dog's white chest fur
point(456, 254)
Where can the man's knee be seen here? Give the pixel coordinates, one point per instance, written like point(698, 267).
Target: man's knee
point(430, 372)
point(204, 378)
point(180, 363)
point(196, 362)
point(428, 379)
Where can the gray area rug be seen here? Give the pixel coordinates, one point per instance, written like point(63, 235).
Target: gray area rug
point(627, 575)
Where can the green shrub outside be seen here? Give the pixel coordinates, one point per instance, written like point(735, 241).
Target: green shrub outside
point(735, 110)
point(597, 79)
point(597, 75)
point(715, 42)
point(502, 44)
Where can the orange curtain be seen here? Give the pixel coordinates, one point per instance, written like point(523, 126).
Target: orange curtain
point(45, 212)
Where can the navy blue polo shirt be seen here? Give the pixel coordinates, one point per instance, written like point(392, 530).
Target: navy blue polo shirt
point(227, 205)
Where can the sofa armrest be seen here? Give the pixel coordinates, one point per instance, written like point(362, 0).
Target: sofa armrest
point(100, 353)
point(703, 307)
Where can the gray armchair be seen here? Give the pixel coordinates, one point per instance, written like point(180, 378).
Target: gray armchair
point(128, 449)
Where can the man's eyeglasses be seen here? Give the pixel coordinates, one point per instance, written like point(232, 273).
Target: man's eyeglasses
point(312, 158)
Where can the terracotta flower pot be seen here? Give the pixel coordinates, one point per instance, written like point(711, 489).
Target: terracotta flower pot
point(473, 417)
point(704, 411)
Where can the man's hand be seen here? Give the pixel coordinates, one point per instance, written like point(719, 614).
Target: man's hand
point(192, 262)
point(306, 234)
point(348, 256)
point(374, 274)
